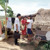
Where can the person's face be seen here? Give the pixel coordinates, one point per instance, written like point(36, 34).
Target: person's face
point(19, 17)
point(25, 18)
point(28, 17)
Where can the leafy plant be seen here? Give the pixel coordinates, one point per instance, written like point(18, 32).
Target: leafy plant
point(9, 10)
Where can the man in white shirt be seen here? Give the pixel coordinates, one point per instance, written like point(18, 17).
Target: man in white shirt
point(17, 25)
point(17, 28)
point(29, 28)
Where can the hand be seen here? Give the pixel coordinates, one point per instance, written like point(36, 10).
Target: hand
point(31, 29)
point(17, 30)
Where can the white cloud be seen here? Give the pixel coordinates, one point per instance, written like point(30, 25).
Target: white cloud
point(25, 8)
point(48, 5)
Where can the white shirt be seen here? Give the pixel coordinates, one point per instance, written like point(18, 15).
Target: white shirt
point(48, 35)
point(18, 23)
point(30, 23)
point(9, 23)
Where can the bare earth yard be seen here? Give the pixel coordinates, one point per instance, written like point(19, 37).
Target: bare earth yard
point(9, 45)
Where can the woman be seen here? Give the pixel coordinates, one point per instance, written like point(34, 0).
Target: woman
point(23, 25)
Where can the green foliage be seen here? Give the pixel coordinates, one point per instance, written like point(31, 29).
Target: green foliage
point(3, 6)
point(9, 7)
point(9, 11)
point(2, 3)
point(6, 1)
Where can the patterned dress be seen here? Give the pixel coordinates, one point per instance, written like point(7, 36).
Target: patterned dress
point(24, 23)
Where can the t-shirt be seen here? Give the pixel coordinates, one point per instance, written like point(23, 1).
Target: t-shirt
point(18, 23)
point(30, 23)
point(9, 23)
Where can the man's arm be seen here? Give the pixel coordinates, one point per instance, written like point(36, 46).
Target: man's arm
point(32, 26)
point(27, 22)
point(16, 27)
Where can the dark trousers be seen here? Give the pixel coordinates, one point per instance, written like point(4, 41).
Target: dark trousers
point(16, 37)
point(8, 31)
point(16, 41)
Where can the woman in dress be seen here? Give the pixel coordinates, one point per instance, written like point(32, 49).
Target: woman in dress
point(23, 25)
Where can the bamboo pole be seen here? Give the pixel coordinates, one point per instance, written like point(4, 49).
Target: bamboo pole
point(5, 20)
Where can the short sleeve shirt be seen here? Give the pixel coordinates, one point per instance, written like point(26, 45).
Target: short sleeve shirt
point(18, 23)
point(30, 23)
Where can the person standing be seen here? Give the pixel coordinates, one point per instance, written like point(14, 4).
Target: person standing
point(29, 27)
point(23, 25)
point(17, 29)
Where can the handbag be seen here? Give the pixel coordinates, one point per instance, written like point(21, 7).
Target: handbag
point(17, 35)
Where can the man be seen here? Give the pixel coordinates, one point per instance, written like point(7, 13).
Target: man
point(17, 28)
point(29, 27)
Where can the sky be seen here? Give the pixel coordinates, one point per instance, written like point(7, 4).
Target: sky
point(27, 7)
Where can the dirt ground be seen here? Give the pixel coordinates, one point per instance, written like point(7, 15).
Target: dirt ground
point(9, 45)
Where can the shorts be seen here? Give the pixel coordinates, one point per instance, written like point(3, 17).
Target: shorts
point(29, 31)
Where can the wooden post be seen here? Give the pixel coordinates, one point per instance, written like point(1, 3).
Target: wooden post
point(5, 20)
